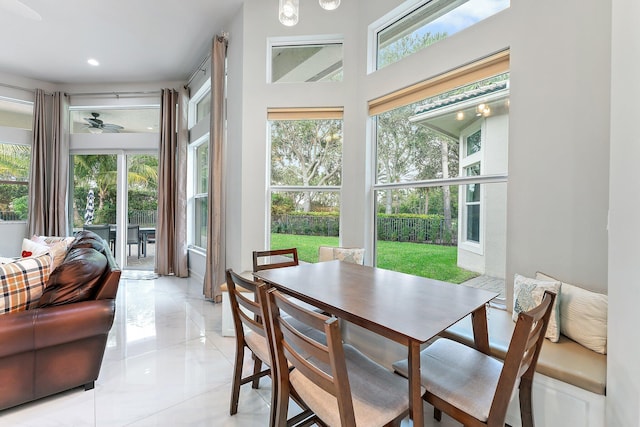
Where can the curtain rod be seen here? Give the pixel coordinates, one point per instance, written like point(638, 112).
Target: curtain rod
point(22, 88)
point(116, 94)
point(223, 34)
point(198, 68)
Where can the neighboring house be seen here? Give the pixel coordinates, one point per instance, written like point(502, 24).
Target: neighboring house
point(477, 120)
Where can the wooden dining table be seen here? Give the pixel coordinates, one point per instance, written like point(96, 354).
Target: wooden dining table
point(407, 309)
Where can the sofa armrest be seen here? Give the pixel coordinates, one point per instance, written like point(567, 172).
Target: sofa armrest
point(16, 333)
point(72, 322)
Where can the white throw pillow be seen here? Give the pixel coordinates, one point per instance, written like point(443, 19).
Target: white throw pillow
point(31, 249)
point(583, 315)
point(528, 293)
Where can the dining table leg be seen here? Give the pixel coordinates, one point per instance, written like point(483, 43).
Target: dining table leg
point(480, 329)
point(416, 410)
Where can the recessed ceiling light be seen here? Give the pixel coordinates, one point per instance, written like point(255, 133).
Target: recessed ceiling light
point(93, 62)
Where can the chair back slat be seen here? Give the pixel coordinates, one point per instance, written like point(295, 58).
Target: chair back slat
point(523, 352)
point(291, 253)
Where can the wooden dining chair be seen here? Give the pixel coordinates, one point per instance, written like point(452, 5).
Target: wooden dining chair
point(252, 333)
point(274, 258)
point(247, 313)
point(474, 388)
point(339, 384)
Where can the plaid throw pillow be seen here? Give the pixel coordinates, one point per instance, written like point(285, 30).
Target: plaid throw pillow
point(22, 283)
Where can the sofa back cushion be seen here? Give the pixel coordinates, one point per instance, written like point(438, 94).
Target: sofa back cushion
point(76, 279)
point(22, 283)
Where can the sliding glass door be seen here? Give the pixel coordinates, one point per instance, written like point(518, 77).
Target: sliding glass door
point(115, 195)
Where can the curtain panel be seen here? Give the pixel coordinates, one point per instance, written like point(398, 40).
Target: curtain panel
point(171, 247)
point(37, 217)
point(49, 171)
point(216, 244)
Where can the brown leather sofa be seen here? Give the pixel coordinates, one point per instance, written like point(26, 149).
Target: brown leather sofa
point(60, 344)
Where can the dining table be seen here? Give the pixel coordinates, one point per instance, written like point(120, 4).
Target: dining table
point(407, 309)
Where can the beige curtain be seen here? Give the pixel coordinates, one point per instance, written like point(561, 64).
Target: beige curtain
point(38, 206)
point(216, 245)
point(58, 224)
point(171, 254)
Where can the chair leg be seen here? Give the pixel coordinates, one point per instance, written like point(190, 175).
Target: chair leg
point(526, 411)
point(237, 378)
point(437, 414)
point(257, 367)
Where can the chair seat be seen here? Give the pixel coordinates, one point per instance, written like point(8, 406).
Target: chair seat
point(458, 374)
point(379, 396)
point(258, 345)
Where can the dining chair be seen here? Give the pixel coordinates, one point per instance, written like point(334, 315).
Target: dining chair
point(133, 237)
point(102, 230)
point(253, 333)
point(352, 255)
point(274, 258)
point(247, 313)
point(339, 384)
point(474, 388)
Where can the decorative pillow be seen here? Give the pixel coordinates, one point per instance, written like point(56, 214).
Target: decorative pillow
point(528, 293)
point(22, 283)
point(33, 249)
point(352, 255)
point(57, 251)
point(583, 315)
point(51, 240)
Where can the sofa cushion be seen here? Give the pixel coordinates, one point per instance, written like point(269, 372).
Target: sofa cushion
point(528, 293)
point(22, 283)
point(565, 360)
point(583, 315)
point(76, 279)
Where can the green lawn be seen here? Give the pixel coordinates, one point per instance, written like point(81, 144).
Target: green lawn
point(434, 261)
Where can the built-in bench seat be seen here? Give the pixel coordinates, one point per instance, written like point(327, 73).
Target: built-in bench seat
point(570, 384)
point(565, 360)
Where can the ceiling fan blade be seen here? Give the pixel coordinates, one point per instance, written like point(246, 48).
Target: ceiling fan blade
point(18, 8)
point(111, 126)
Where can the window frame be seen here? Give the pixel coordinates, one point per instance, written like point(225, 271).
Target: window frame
point(193, 196)
point(329, 39)
point(489, 66)
point(311, 113)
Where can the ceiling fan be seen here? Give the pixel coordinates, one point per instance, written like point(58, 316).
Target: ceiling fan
point(95, 125)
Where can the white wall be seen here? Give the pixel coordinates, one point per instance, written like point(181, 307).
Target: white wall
point(623, 370)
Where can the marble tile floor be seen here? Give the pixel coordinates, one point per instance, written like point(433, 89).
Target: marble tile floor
point(166, 364)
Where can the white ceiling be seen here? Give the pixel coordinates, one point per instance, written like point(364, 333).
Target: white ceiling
point(134, 40)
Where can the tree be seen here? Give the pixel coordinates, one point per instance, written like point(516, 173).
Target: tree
point(306, 153)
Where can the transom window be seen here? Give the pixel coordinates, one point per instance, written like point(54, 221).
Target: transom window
point(405, 32)
point(299, 62)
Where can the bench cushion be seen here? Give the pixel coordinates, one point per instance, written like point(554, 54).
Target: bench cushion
point(565, 360)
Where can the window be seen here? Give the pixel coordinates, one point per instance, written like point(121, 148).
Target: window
point(200, 155)
point(97, 120)
point(14, 178)
point(305, 178)
point(203, 107)
point(305, 62)
point(431, 21)
point(16, 118)
point(16, 113)
point(441, 175)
